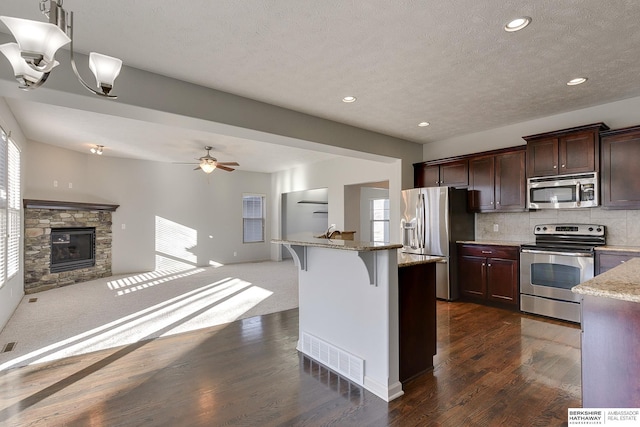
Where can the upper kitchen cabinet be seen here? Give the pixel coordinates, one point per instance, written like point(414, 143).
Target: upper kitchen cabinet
point(497, 182)
point(566, 151)
point(445, 174)
point(620, 177)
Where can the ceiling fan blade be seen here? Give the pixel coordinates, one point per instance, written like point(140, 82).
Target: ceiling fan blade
point(228, 164)
point(224, 168)
point(197, 169)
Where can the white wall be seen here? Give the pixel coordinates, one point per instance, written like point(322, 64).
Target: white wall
point(12, 291)
point(167, 210)
point(615, 115)
point(335, 175)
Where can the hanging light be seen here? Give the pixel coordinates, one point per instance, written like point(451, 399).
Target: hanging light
point(32, 56)
point(207, 165)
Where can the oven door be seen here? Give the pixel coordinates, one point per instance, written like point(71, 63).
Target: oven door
point(552, 274)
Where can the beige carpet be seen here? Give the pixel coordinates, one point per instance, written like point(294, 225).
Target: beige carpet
point(121, 310)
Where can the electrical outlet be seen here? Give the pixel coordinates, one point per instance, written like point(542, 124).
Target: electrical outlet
point(235, 254)
point(55, 182)
point(124, 226)
point(496, 228)
point(71, 185)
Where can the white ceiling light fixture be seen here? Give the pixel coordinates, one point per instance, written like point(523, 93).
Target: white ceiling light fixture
point(517, 24)
point(576, 81)
point(423, 124)
point(97, 150)
point(349, 99)
point(32, 56)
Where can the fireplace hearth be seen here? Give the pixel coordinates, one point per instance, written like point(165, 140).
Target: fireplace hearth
point(65, 243)
point(72, 248)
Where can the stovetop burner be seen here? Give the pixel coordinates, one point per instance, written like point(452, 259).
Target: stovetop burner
point(575, 237)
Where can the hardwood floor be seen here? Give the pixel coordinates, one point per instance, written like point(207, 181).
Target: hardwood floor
point(493, 368)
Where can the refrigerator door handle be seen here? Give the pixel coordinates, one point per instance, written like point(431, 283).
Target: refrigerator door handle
point(421, 224)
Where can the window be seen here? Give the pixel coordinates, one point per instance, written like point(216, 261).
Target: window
point(380, 220)
point(10, 213)
point(252, 218)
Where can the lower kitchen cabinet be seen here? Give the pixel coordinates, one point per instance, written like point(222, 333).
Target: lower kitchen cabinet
point(606, 260)
point(489, 273)
point(417, 319)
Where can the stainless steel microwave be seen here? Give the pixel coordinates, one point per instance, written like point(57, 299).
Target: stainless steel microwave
point(563, 191)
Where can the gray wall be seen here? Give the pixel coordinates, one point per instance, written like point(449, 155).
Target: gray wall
point(167, 212)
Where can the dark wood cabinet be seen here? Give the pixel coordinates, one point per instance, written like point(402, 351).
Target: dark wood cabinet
point(566, 151)
point(498, 182)
point(417, 319)
point(489, 273)
point(606, 260)
point(620, 177)
point(610, 353)
point(450, 174)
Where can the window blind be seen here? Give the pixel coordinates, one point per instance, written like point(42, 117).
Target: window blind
point(253, 219)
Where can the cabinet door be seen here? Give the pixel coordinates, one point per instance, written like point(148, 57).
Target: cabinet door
point(620, 176)
point(502, 280)
point(455, 174)
point(542, 157)
point(472, 276)
point(426, 176)
point(577, 153)
point(510, 191)
point(607, 261)
point(481, 181)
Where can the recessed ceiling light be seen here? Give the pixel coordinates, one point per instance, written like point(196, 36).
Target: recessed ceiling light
point(349, 99)
point(577, 81)
point(423, 124)
point(517, 24)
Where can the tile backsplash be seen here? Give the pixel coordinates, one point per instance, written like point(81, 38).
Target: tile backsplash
point(622, 226)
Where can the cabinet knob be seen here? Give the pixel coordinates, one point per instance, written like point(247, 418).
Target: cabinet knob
point(555, 166)
point(491, 202)
point(441, 182)
point(621, 262)
point(563, 166)
point(488, 265)
point(497, 203)
point(488, 252)
point(437, 182)
point(483, 264)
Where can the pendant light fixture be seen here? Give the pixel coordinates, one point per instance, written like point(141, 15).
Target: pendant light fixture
point(32, 56)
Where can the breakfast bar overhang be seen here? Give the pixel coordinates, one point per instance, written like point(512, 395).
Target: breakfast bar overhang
point(348, 304)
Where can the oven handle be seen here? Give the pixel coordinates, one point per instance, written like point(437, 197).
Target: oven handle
point(574, 254)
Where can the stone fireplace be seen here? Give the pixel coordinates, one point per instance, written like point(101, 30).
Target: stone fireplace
point(65, 243)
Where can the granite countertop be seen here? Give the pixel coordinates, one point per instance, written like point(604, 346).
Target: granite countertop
point(491, 242)
point(621, 282)
point(407, 260)
point(347, 245)
point(618, 248)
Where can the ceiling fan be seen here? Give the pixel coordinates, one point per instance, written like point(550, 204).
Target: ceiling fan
point(208, 163)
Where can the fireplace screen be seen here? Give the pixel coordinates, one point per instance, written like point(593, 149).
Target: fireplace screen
point(72, 248)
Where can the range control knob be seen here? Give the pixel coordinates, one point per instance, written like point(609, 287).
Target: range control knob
point(537, 228)
point(544, 228)
point(598, 229)
point(590, 228)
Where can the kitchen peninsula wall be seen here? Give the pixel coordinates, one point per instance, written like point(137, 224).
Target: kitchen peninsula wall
point(622, 226)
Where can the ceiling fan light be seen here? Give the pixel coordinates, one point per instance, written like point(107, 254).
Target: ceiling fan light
point(105, 69)
point(23, 72)
point(207, 167)
point(37, 41)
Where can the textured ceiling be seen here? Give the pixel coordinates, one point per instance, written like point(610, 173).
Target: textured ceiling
point(407, 61)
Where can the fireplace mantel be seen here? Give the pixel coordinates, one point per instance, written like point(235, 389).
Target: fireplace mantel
point(72, 206)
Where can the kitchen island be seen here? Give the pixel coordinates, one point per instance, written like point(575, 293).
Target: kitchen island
point(611, 337)
point(349, 309)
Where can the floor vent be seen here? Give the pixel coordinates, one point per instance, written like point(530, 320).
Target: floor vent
point(9, 347)
point(343, 363)
point(33, 299)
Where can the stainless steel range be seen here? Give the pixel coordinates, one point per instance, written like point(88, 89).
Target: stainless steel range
point(562, 257)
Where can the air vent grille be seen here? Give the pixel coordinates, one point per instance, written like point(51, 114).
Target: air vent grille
point(344, 363)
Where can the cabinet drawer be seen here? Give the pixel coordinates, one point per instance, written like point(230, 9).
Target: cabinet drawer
point(607, 261)
point(490, 251)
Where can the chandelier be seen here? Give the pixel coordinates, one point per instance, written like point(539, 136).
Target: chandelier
point(32, 56)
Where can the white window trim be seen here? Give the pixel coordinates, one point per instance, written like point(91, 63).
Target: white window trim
point(264, 210)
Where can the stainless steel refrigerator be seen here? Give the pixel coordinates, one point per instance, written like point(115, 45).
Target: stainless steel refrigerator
point(433, 220)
